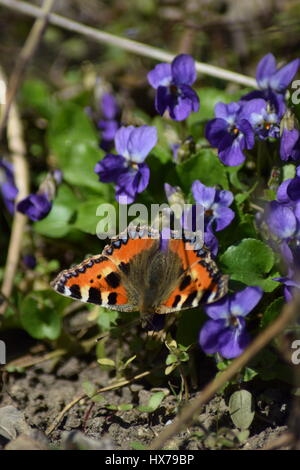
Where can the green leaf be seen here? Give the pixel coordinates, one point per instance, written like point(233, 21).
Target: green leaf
point(222, 365)
point(204, 166)
point(184, 356)
point(289, 171)
point(131, 359)
point(241, 197)
point(74, 141)
point(209, 97)
point(171, 358)
point(122, 407)
point(161, 153)
point(97, 398)
point(166, 135)
point(105, 361)
point(36, 94)
point(86, 219)
point(137, 446)
point(89, 388)
point(125, 407)
point(241, 409)
point(233, 175)
point(248, 374)
point(40, 314)
point(153, 403)
point(107, 318)
point(243, 436)
point(272, 312)
point(170, 368)
point(57, 223)
point(112, 407)
point(248, 262)
point(170, 343)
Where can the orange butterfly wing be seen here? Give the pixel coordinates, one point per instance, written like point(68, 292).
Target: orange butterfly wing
point(201, 281)
point(99, 279)
point(96, 280)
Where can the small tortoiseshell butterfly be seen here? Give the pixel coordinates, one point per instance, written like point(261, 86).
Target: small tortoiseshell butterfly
point(139, 272)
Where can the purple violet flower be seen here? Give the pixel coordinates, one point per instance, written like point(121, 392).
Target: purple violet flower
point(211, 241)
point(273, 82)
point(283, 220)
point(283, 215)
point(263, 119)
point(278, 79)
point(172, 83)
point(7, 185)
point(293, 189)
point(290, 145)
point(225, 332)
point(290, 137)
point(291, 256)
point(109, 123)
point(230, 133)
point(35, 206)
point(109, 106)
point(127, 169)
point(189, 219)
point(215, 203)
point(29, 261)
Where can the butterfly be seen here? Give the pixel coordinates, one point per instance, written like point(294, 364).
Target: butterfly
point(137, 272)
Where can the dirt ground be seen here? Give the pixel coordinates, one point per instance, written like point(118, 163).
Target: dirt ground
point(40, 392)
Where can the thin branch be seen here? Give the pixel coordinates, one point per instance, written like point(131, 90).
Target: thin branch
point(124, 43)
point(17, 149)
point(26, 54)
point(70, 405)
point(193, 408)
point(29, 361)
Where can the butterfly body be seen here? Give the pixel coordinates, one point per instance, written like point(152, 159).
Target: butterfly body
point(136, 272)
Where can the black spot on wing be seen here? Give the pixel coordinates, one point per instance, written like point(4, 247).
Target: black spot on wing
point(189, 300)
point(112, 298)
point(113, 279)
point(176, 300)
point(75, 291)
point(60, 287)
point(206, 296)
point(82, 269)
point(185, 282)
point(90, 263)
point(117, 243)
point(94, 296)
point(100, 259)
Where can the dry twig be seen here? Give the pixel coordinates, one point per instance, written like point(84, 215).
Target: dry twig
point(17, 149)
point(76, 400)
point(124, 43)
point(23, 59)
point(17, 146)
